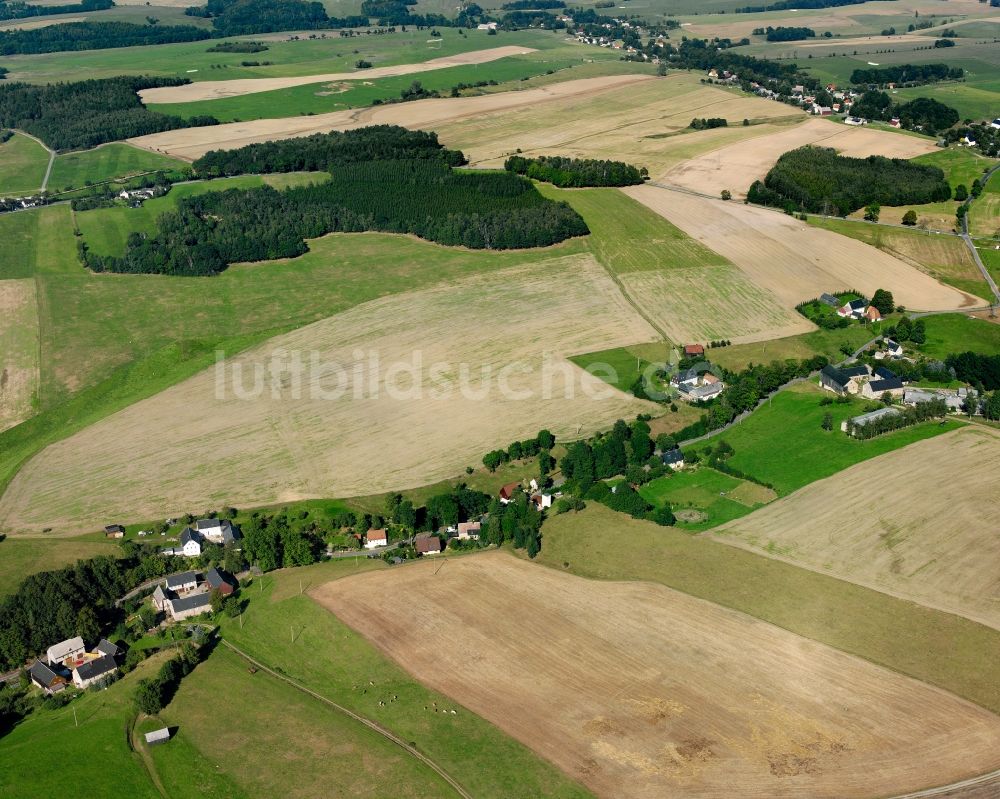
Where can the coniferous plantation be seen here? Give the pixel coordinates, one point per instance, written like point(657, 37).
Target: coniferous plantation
point(423, 197)
point(575, 172)
point(70, 36)
point(818, 180)
point(68, 116)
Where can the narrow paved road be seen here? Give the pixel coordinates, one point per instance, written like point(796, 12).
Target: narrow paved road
point(972, 245)
point(372, 725)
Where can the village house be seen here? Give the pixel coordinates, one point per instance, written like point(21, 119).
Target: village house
point(867, 418)
point(114, 531)
point(218, 531)
point(855, 309)
point(508, 492)
point(427, 544)
point(45, 678)
point(159, 598)
point(105, 647)
point(220, 581)
point(829, 299)
point(542, 500)
point(185, 581)
point(189, 544)
point(872, 314)
point(67, 652)
point(842, 380)
point(693, 350)
point(468, 531)
point(91, 671)
point(875, 389)
point(673, 458)
point(191, 605)
point(376, 538)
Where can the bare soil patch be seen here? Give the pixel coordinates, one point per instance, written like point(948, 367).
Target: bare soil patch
point(19, 374)
point(355, 431)
point(736, 166)
point(217, 89)
point(639, 691)
point(794, 260)
point(921, 530)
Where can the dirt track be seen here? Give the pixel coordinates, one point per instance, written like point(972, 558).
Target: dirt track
point(190, 143)
point(217, 89)
point(736, 166)
point(794, 260)
point(641, 692)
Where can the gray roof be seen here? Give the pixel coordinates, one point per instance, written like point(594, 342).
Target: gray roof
point(42, 673)
point(864, 418)
point(158, 736)
point(57, 652)
point(114, 528)
point(97, 667)
point(190, 602)
point(215, 578)
point(105, 647)
point(204, 524)
point(159, 593)
point(190, 535)
point(672, 456)
point(177, 580)
point(891, 384)
point(835, 375)
point(829, 299)
point(884, 373)
point(855, 371)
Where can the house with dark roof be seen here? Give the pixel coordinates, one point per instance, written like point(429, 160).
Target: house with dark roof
point(105, 647)
point(833, 379)
point(855, 309)
point(190, 543)
point(93, 670)
point(427, 544)
point(114, 531)
point(673, 458)
point(884, 373)
point(191, 605)
point(218, 531)
point(220, 581)
point(829, 299)
point(874, 389)
point(45, 678)
point(185, 581)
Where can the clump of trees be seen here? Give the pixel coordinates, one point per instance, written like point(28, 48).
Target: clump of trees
point(528, 448)
point(426, 198)
point(909, 74)
point(784, 33)
point(152, 694)
point(818, 180)
point(519, 522)
point(237, 47)
point(87, 113)
point(923, 113)
point(980, 370)
point(576, 172)
point(708, 123)
point(907, 417)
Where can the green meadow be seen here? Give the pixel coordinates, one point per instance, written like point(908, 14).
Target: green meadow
point(703, 498)
point(23, 162)
point(952, 333)
point(107, 162)
point(20, 557)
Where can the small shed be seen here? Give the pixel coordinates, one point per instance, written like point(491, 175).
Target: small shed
point(160, 736)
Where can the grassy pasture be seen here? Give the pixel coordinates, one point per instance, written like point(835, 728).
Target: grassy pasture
point(18, 351)
point(20, 557)
point(704, 498)
point(107, 162)
point(984, 215)
point(945, 258)
point(289, 58)
point(949, 333)
point(805, 345)
point(783, 442)
point(945, 650)
point(22, 166)
point(330, 658)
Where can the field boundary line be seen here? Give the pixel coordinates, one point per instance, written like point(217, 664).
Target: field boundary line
point(372, 725)
point(992, 778)
point(49, 150)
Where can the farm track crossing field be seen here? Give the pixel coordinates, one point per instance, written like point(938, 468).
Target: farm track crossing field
point(920, 535)
point(346, 433)
point(659, 693)
point(736, 166)
point(23, 162)
point(793, 260)
point(215, 90)
point(685, 289)
point(18, 351)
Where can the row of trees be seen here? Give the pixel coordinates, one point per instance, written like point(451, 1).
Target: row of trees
point(321, 152)
point(911, 74)
point(152, 694)
point(907, 417)
point(481, 210)
point(21, 10)
point(576, 172)
point(87, 113)
point(818, 180)
point(785, 5)
point(69, 36)
point(708, 123)
point(528, 448)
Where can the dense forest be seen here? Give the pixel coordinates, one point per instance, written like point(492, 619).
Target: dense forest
point(87, 113)
point(523, 5)
point(979, 370)
point(818, 180)
point(575, 172)
point(70, 36)
point(912, 74)
point(242, 17)
point(923, 113)
point(426, 198)
point(21, 10)
point(323, 151)
point(791, 5)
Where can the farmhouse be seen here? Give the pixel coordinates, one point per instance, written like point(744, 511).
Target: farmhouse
point(190, 543)
point(159, 598)
point(376, 538)
point(855, 309)
point(93, 670)
point(427, 544)
point(876, 388)
point(218, 531)
point(185, 581)
point(114, 531)
point(693, 350)
point(220, 581)
point(542, 500)
point(867, 418)
point(66, 652)
point(673, 458)
point(872, 314)
point(45, 678)
point(508, 492)
point(842, 380)
point(191, 605)
point(468, 530)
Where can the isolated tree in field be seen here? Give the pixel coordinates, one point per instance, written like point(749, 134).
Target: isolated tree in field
point(727, 194)
point(910, 217)
point(961, 192)
point(872, 212)
point(883, 301)
point(828, 421)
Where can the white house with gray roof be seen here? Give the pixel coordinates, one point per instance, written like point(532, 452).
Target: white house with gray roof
point(72, 649)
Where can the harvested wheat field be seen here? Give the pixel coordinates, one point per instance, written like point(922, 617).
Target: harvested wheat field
point(641, 692)
point(370, 427)
point(18, 350)
point(190, 143)
point(217, 89)
point(924, 527)
point(792, 259)
point(34, 24)
point(736, 166)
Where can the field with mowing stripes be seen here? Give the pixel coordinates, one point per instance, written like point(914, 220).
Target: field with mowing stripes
point(18, 351)
point(22, 166)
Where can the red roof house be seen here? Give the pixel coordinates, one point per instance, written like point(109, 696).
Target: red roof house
point(691, 350)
